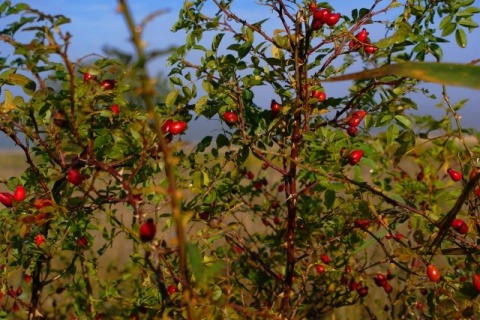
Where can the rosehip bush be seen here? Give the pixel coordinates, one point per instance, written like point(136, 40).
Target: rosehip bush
point(292, 210)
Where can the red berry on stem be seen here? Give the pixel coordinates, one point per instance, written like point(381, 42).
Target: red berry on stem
point(455, 175)
point(362, 291)
point(360, 114)
point(333, 19)
point(433, 273)
point(370, 49)
point(476, 282)
point(6, 199)
point(114, 109)
point(82, 241)
point(355, 157)
point(75, 177)
point(87, 77)
point(27, 278)
point(388, 288)
point(322, 15)
point(354, 121)
point(460, 226)
point(319, 95)
point(352, 131)
point(148, 230)
point(312, 7)
point(19, 193)
point(39, 240)
point(177, 127)
point(474, 172)
point(325, 258)
point(275, 106)
point(172, 289)
point(230, 117)
point(276, 220)
point(362, 35)
point(108, 84)
point(320, 269)
point(40, 203)
point(316, 25)
point(166, 126)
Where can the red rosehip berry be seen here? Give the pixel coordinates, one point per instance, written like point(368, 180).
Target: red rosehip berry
point(312, 7)
point(108, 84)
point(354, 121)
point(89, 77)
point(276, 220)
point(433, 273)
point(40, 203)
point(39, 240)
point(476, 282)
point(355, 157)
point(230, 117)
point(370, 49)
point(360, 114)
point(455, 175)
point(75, 177)
point(320, 268)
point(322, 15)
point(82, 241)
point(319, 95)
point(362, 35)
point(172, 289)
point(460, 226)
point(19, 193)
point(147, 230)
point(177, 127)
point(325, 259)
point(333, 19)
point(115, 109)
point(316, 25)
point(352, 131)
point(362, 291)
point(6, 199)
point(275, 106)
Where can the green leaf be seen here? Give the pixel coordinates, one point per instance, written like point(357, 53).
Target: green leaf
point(392, 134)
point(468, 23)
point(216, 41)
point(330, 196)
point(461, 38)
point(444, 73)
point(205, 143)
point(403, 121)
point(222, 141)
point(399, 36)
point(27, 85)
point(200, 103)
point(195, 261)
point(449, 29)
point(171, 98)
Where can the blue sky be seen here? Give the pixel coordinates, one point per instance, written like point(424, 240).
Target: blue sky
point(96, 24)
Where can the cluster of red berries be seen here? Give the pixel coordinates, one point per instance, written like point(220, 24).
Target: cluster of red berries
point(322, 16)
point(362, 41)
point(381, 280)
point(7, 198)
point(354, 122)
